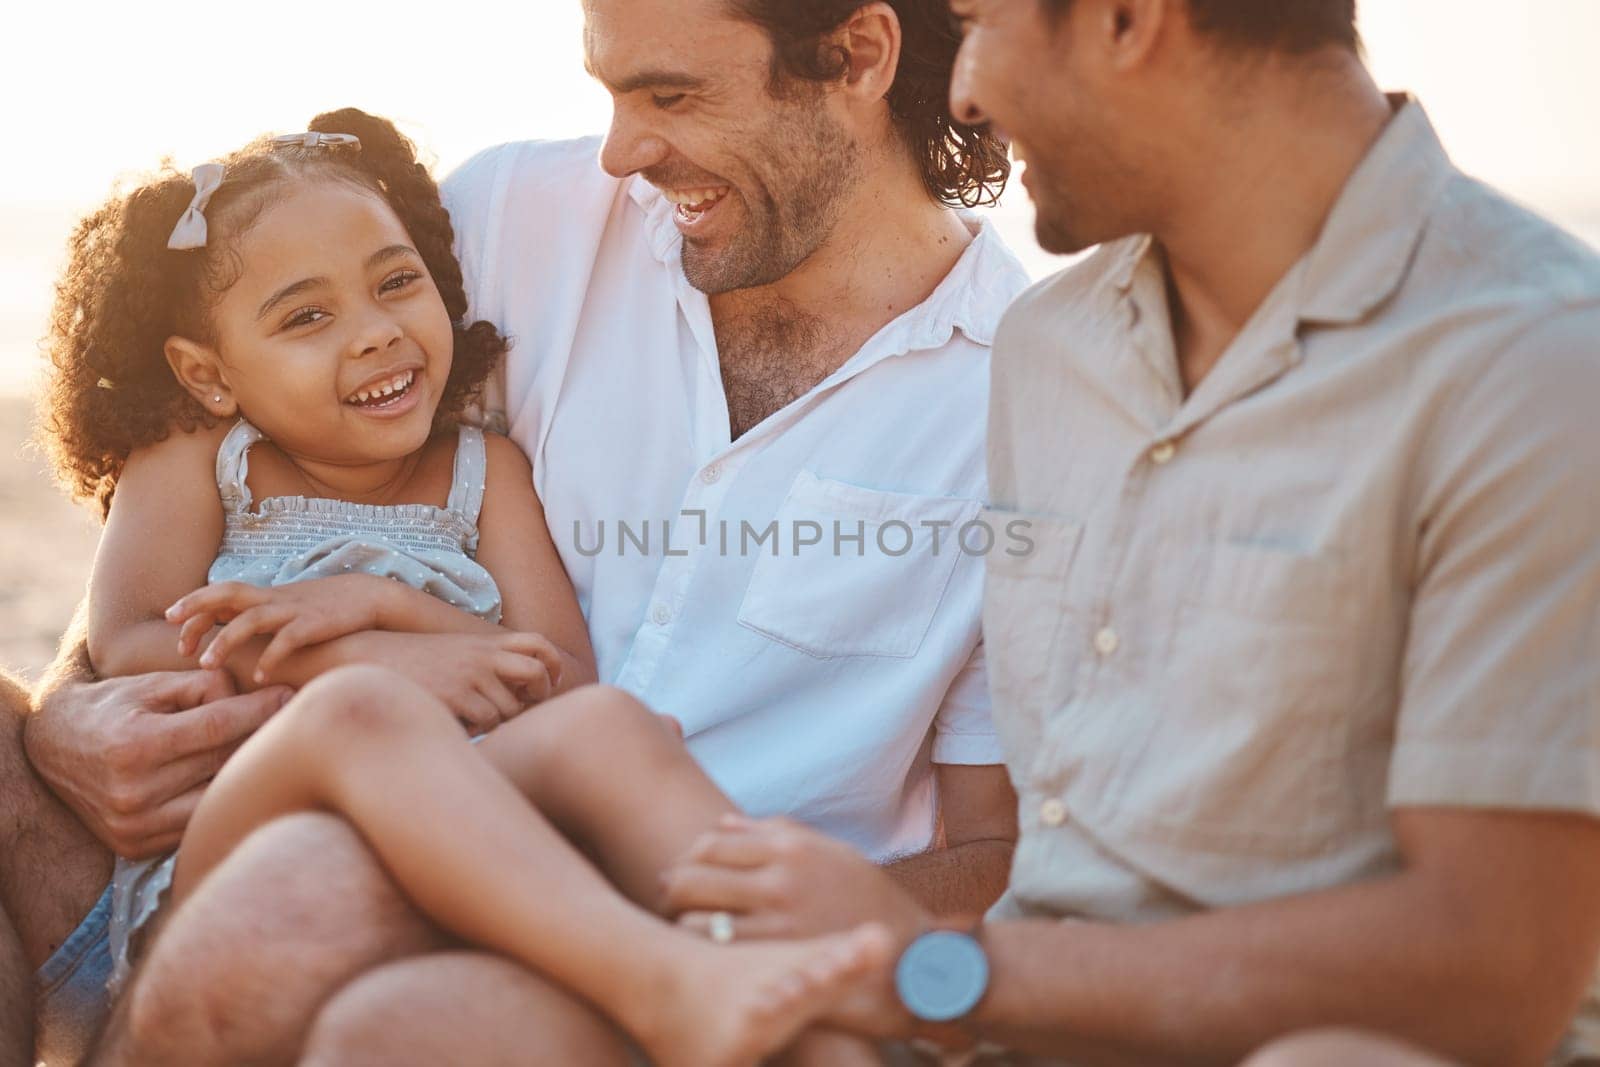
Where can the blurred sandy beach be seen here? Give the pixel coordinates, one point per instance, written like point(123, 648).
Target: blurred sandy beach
point(46, 546)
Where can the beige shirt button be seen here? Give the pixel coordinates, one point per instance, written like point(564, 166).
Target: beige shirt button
point(661, 615)
point(1052, 812)
point(712, 474)
point(1163, 453)
point(1106, 641)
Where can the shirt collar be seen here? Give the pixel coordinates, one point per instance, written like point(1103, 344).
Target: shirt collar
point(971, 298)
point(1126, 255)
point(1368, 241)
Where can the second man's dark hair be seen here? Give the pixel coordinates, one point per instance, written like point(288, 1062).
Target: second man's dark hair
point(1293, 26)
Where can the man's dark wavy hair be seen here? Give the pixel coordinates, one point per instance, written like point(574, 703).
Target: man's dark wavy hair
point(961, 165)
point(1293, 26)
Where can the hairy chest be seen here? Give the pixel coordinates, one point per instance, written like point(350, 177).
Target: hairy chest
point(770, 360)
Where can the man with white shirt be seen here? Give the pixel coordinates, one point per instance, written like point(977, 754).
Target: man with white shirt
point(750, 369)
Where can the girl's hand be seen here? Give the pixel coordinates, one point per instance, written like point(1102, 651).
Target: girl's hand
point(297, 615)
point(485, 679)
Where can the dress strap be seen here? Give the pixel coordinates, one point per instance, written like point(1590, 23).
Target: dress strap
point(472, 469)
point(233, 466)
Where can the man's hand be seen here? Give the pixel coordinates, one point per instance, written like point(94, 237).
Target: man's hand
point(779, 879)
point(131, 756)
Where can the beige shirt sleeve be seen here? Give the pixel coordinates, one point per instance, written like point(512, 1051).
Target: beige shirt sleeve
point(1501, 697)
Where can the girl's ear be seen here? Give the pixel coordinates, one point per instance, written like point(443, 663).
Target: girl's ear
point(199, 369)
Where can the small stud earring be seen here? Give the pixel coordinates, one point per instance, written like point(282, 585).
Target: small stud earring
point(217, 399)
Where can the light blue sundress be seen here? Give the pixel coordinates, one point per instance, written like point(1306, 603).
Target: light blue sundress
point(293, 539)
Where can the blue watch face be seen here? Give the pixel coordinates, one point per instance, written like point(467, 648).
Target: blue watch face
point(942, 976)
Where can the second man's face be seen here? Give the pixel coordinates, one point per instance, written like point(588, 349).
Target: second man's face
point(1030, 71)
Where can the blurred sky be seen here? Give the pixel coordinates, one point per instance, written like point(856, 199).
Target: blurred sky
point(96, 90)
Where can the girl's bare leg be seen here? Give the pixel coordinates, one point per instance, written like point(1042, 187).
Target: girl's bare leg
point(618, 781)
point(470, 852)
point(615, 778)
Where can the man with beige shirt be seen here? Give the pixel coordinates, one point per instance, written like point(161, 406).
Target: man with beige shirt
point(1300, 690)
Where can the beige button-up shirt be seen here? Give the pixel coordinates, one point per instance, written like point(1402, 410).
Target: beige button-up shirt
point(1357, 568)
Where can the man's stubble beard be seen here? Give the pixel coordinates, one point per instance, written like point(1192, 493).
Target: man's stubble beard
point(817, 168)
point(1058, 222)
point(1079, 182)
point(1052, 229)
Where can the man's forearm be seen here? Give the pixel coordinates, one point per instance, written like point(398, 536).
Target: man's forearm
point(14, 696)
point(71, 664)
point(960, 881)
point(1391, 956)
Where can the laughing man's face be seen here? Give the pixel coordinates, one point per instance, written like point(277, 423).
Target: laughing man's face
point(758, 169)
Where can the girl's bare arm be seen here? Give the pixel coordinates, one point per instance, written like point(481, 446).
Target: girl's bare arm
point(160, 538)
point(515, 546)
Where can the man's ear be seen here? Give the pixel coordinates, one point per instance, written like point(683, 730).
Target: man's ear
point(871, 41)
point(199, 370)
point(1130, 29)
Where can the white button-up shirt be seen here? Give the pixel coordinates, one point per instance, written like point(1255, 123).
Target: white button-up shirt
point(782, 594)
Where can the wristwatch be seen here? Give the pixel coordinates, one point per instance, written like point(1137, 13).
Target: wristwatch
point(942, 976)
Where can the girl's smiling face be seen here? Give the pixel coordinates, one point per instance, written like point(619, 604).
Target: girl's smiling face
point(333, 340)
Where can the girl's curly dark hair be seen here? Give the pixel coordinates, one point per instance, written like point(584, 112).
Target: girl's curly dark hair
point(123, 293)
point(961, 165)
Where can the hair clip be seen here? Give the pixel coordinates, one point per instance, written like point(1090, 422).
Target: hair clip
point(313, 139)
point(105, 383)
point(190, 232)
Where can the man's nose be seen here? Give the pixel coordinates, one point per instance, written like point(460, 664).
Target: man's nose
point(630, 146)
point(964, 105)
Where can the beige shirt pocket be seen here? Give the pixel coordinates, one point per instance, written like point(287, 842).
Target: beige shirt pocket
point(1248, 753)
point(878, 601)
point(1026, 610)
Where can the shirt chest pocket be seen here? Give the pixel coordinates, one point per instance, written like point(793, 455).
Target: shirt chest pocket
point(1250, 752)
point(857, 572)
point(1026, 612)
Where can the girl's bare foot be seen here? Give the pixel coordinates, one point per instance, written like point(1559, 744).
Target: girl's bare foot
point(732, 1006)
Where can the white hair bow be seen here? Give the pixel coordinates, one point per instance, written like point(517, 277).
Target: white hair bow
point(190, 232)
point(313, 139)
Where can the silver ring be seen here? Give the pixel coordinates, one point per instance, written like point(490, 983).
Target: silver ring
point(720, 927)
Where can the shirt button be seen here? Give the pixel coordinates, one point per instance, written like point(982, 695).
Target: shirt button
point(661, 615)
point(1163, 453)
point(1106, 641)
point(1052, 812)
point(712, 474)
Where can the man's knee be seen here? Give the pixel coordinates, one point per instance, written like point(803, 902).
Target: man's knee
point(459, 1007)
point(295, 912)
point(51, 867)
point(1340, 1048)
point(307, 878)
point(16, 999)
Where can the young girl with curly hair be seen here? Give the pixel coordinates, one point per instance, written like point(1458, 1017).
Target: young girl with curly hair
point(258, 375)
